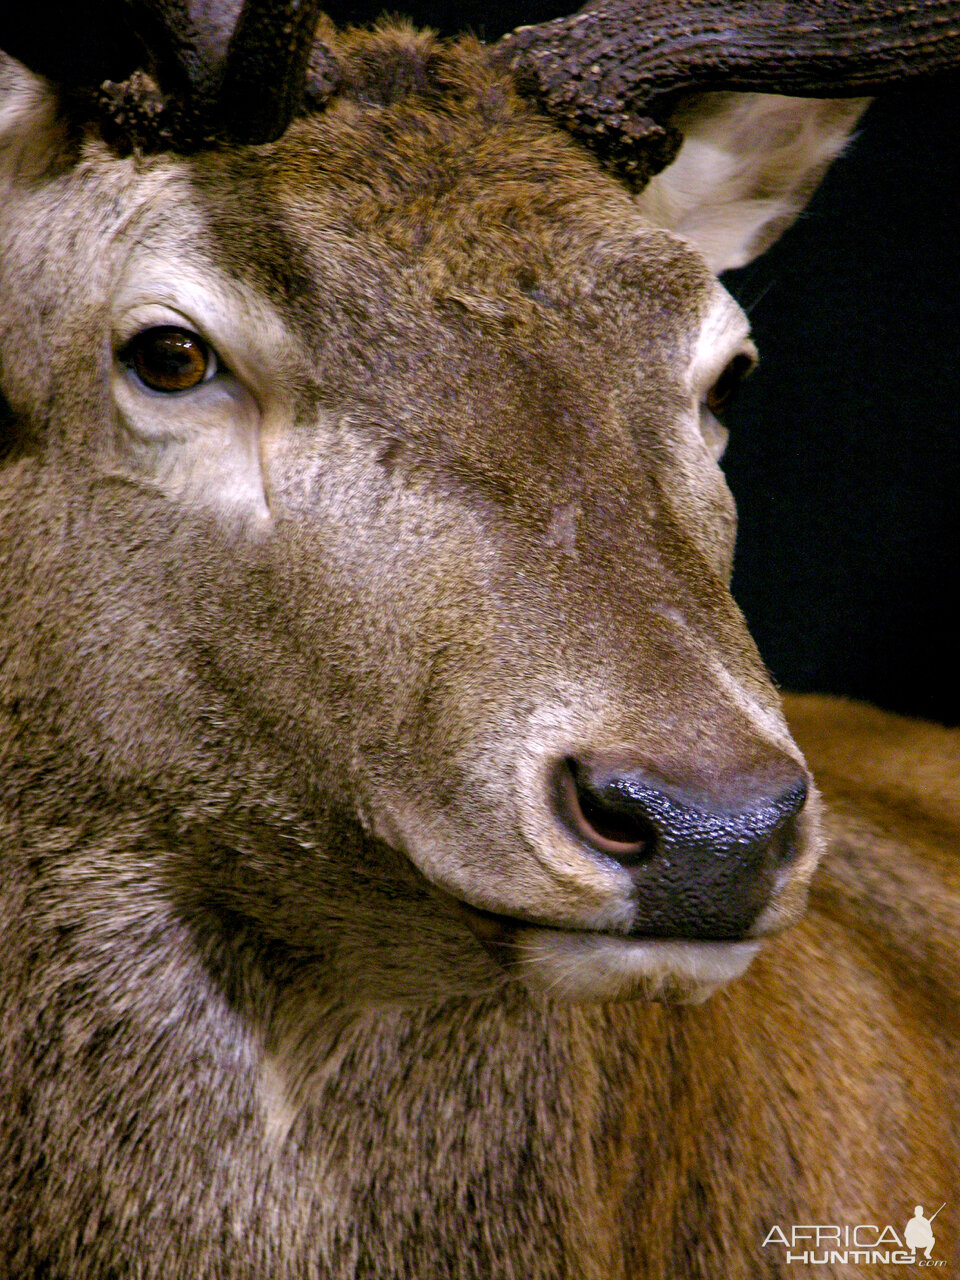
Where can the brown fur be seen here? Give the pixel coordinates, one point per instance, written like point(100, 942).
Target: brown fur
point(253, 749)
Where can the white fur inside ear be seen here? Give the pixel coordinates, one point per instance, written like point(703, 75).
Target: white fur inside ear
point(30, 129)
point(748, 165)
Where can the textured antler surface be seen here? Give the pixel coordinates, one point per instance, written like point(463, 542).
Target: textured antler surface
point(179, 73)
point(610, 72)
point(267, 65)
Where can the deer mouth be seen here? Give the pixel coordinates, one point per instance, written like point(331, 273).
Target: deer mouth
point(582, 965)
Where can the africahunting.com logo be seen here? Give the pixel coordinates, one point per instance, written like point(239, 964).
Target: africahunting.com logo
point(826, 1244)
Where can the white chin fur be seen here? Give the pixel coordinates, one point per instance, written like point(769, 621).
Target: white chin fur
point(581, 967)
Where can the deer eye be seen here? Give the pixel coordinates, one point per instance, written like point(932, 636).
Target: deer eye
point(723, 392)
point(169, 359)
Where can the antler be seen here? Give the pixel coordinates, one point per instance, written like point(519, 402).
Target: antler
point(610, 73)
point(267, 63)
point(163, 78)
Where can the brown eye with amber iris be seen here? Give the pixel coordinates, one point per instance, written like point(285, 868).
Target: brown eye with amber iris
point(169, 359)
point(721, 395)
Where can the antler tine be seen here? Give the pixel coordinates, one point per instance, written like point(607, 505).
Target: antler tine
point(610, 72)
point(181, 73)
point(236, 77)
point(139, 62)
point(267, 69)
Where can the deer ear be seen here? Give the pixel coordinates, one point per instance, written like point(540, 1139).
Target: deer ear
point(31, 130)
point(748, 165)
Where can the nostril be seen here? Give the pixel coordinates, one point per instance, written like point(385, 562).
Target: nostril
point(615, 830)
point(792, 800)
point(782, 824)
point(706, 861)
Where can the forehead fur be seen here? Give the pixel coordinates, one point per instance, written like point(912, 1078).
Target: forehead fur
point(428, 157)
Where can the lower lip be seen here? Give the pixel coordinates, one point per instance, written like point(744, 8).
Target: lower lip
point(580, 964)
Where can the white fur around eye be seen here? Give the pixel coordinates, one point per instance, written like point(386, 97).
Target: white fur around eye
point(714, 433)
point(199, 446)
point(202, 447)
point(723, 340)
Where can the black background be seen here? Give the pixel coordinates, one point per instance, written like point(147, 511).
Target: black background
point(845, 448)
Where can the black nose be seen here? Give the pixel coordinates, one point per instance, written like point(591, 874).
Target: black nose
point(704, 865)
